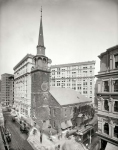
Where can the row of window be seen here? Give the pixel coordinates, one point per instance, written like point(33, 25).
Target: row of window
point(106, 105)
point(107, 84)
point(72, 67)
point(106, 130)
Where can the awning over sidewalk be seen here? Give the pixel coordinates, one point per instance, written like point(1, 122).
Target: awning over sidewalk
point(111, 147)
point(69, 123)
point(63, 125)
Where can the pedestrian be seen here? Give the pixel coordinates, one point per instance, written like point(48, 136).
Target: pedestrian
point(41, 138)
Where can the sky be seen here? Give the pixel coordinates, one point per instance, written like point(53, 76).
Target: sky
point(74, 30)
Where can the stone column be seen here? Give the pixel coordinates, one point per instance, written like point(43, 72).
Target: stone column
point(110, 130)
point(103, 126)
point(102, 104)
point(112, 107)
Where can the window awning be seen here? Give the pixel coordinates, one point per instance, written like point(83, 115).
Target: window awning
point(69, 123)
point(63, 125)
point(111, 147)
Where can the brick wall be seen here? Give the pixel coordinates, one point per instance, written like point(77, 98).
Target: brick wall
point(39, 98)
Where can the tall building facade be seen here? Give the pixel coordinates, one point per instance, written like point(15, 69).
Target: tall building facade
point(107, 96)
point(0, 91)
point(11, 92)
point(22, 86)
point(6, 88)
point(78, 76)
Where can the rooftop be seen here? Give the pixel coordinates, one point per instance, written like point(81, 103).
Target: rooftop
point(7, 74)
point(24, 58)
point(108, 50)
point(74, 64)
point(65, 96)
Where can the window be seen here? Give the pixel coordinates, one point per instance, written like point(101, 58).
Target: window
point(54, 124)
point(90, 83)
point(84, 83)
point(65, 112)
point(106, 86)
point(116, 106)
point(84, 92)
point(116, 86)
point(116, 131)
point(99, 89)
point(106, 106)
point(54, 112)
point(58, 83)
point(106, 128)
point(50, 110)
point(116, 60)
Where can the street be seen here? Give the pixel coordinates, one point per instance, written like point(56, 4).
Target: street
point(19, 140)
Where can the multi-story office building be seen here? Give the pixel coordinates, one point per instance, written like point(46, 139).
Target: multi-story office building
point(11, 92)
point(78, 76)
point(107, 96)
point(0, 91)
point(22, 86)
point(5, 88)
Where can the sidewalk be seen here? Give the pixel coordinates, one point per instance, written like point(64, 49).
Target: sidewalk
point(1, 143)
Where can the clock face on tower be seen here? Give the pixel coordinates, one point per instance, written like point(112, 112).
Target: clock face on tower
point(44, 86)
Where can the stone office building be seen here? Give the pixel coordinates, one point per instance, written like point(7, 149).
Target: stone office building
point(22, 86)
point(107, 96)
point(6, 88)
point(51, 105)
point(78, 76)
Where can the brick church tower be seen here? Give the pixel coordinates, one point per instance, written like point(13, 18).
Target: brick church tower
point(40, 85)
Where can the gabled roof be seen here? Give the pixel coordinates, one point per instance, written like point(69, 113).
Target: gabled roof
point(65, 96)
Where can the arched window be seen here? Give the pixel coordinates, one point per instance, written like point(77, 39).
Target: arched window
point(116, 131)
point(44, 60)
point(106, 128)
point(116, 106)
point(106, 106)
point(39, 58)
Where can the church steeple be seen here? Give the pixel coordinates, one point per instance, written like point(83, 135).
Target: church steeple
point(40, 46)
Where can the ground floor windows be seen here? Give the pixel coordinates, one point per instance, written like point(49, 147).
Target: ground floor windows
point(106, 128)
point(116, 106)
point(106, 106)
point(116, 131)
